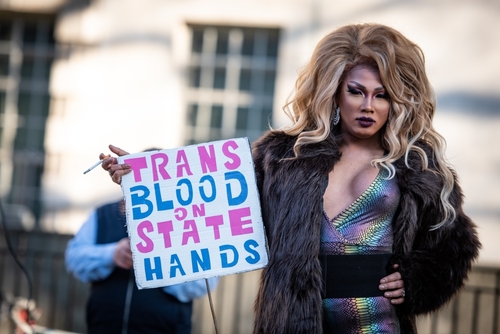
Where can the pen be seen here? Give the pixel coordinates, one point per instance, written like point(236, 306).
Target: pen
point(94, 166)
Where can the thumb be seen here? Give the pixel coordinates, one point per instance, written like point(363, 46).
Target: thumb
point(118, 151)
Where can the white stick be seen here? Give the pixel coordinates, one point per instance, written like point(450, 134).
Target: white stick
point(93, 166)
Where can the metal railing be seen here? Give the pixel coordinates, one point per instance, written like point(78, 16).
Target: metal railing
point(62, 299)
point(474, 311)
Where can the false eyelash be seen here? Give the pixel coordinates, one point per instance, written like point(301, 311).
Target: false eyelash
point(352, 90)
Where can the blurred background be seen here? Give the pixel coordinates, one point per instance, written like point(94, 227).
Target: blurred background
point(77, 75)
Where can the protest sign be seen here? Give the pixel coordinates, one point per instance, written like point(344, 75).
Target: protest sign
point(193, 212)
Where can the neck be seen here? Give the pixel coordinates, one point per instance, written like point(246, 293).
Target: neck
point(370, 144)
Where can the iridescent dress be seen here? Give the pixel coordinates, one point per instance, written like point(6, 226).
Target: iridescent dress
point(364, 228)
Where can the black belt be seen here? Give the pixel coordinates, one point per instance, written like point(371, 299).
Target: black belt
point(346, 276)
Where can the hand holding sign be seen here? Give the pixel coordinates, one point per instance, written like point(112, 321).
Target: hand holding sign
point(109, 164)
point(192, 212)
point(123, 256)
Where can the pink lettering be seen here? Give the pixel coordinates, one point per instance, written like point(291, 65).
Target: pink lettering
point(165, 228)
point(181, 158)
point(136, 164)
point(208, 161)
point(148, 245)
point(159, 162)
point(215, 222)
point(190, 231)
point(236, 222)
point(199, 210)
point(180, 213)
point(236, 162)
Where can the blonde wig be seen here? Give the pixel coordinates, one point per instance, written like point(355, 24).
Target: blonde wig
point(401, 66)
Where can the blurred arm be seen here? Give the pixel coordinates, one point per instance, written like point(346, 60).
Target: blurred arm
point(87, 260)
point(186, 292)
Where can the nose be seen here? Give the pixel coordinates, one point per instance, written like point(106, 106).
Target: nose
point(367, 105)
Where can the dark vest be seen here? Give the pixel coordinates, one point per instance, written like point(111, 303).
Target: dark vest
point(116, 305)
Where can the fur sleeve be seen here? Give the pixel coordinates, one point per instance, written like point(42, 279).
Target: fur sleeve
point(291, 192)
point(434, 264)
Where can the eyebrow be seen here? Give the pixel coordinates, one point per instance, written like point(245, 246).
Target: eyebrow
point(363, 87)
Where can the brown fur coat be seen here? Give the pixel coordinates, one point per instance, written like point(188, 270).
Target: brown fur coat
point(433, 264)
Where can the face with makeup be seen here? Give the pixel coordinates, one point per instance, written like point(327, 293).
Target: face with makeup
point(364, 104)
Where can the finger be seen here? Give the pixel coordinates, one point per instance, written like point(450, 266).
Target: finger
point(129, 263)
point(116, 174)
point(103, 156)
point(124, 263)
point(392, 277)
point(395, 293)
point(126, 256)
point(393, 285)
point(122, 169)
point(108, 162)
point(122, 258)
point(126, 259)
point(127, 248)
point(116, 178)
point(397, 301)
point(118, 151)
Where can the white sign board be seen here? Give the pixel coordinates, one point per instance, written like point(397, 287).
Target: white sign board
point(193, 212)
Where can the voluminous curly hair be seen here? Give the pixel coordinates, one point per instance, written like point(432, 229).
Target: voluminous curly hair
point(401, 65)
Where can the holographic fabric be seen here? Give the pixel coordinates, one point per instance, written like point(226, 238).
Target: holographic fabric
point(362, 228)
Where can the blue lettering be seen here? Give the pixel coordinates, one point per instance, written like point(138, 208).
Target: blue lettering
point(162, 205)
point(197, 261)
point(187, 201)
point(136, 199)
point(174, 259)
point(235, 175)
point(224, 257)
point(150, 271)
point(249, 246)
point(204, 196)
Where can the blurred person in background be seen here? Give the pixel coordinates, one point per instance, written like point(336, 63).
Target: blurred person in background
point(363, 214)
point(100, 254)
